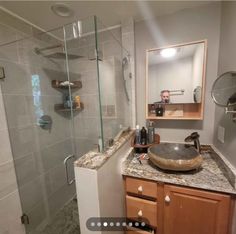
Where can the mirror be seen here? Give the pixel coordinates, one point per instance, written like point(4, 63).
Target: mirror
point(175, 75)
point(224, 90)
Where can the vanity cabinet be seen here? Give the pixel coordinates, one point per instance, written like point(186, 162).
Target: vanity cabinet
point(195, 211)
point(176, 210)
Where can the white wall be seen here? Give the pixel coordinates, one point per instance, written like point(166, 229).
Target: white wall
point(183, 26)
point(102, 195)
point(171, 76)
point(227, 62)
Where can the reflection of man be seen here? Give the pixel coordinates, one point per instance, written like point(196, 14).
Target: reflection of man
point(165, 96)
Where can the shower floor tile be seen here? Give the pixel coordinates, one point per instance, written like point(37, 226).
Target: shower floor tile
point(65, 222)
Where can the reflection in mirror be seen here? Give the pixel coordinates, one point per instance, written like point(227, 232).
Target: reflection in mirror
point(175, 74)
point(224, 90)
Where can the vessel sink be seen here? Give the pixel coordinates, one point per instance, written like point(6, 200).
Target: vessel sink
point(175, 157)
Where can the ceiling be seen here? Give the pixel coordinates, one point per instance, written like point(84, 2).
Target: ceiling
point(110, 12)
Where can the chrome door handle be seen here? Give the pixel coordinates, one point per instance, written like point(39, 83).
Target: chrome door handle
point(69, 182)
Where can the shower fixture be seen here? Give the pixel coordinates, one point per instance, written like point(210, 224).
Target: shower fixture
point(56, 55)
point(125, 62)
point(77, 29)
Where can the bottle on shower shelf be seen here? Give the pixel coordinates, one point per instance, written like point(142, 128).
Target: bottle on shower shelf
point(68, 101)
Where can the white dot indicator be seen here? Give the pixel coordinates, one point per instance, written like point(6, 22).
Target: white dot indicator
point(105, 224)
point(130, 224)
point(136, 224)
point(92, 224)
point(143, 224)
point(124, 224)
point(99, 224)
point(111, 224)
point(117, 224)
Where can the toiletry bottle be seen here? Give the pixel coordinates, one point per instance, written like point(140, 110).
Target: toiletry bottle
point(77, 101)
point(100, 146)
point(65, 101)
point(143, 136)
point(150, 133)
point(159, 110)
point(137, 135)
point(69, 101)
point(153, 109)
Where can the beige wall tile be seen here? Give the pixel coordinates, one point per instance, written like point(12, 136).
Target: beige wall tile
point(10, 213)
point(5, 152)
point(7, 179)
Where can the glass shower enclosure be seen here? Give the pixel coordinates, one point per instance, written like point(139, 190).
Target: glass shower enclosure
point(63, 91)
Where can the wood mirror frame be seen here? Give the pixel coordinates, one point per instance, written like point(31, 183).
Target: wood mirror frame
point(191, 111)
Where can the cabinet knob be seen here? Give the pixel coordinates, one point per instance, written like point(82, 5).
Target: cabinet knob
point(167, 199)
point(140, 188)
point(140, 213)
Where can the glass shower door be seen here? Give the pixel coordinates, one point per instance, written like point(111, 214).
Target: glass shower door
point(39, 111)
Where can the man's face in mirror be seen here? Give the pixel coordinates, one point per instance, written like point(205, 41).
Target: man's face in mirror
point(165, 96)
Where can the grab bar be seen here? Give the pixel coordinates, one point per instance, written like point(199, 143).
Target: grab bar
point(69, 182)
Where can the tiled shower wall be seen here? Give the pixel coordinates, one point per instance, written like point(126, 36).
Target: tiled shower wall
point(38, 154)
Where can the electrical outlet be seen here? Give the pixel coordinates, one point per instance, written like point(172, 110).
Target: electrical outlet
point(221, 134)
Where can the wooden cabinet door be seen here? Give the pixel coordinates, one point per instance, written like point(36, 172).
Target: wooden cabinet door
point(190, 211)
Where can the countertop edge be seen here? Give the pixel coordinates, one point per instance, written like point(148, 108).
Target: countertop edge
point(94, 160)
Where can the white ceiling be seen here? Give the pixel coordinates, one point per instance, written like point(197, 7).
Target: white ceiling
point(109, 12)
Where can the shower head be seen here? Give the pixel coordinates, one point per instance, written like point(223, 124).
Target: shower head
point(125, 60)
point(56, 55)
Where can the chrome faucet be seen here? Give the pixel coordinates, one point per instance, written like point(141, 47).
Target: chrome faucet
point(195, 138)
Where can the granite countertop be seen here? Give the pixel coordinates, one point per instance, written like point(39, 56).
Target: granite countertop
point(212, 175)
point(94, 160)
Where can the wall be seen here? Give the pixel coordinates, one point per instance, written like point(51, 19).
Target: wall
point(103, 196)
point(226, 63)
point(167, 76)
point(183, 26)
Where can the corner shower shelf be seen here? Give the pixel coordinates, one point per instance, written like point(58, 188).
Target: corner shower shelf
point(57, 84)
point(61, 108)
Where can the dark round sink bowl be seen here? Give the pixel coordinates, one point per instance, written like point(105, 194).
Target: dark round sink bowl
point(175, 157)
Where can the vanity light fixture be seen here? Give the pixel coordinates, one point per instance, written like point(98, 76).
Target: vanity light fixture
point(168, 52)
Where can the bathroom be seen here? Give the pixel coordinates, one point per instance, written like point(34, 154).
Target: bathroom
point(56, 138)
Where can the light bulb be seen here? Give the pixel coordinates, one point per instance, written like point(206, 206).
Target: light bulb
point(168, 53)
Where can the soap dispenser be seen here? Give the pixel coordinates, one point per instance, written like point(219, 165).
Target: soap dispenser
point(143, 136)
